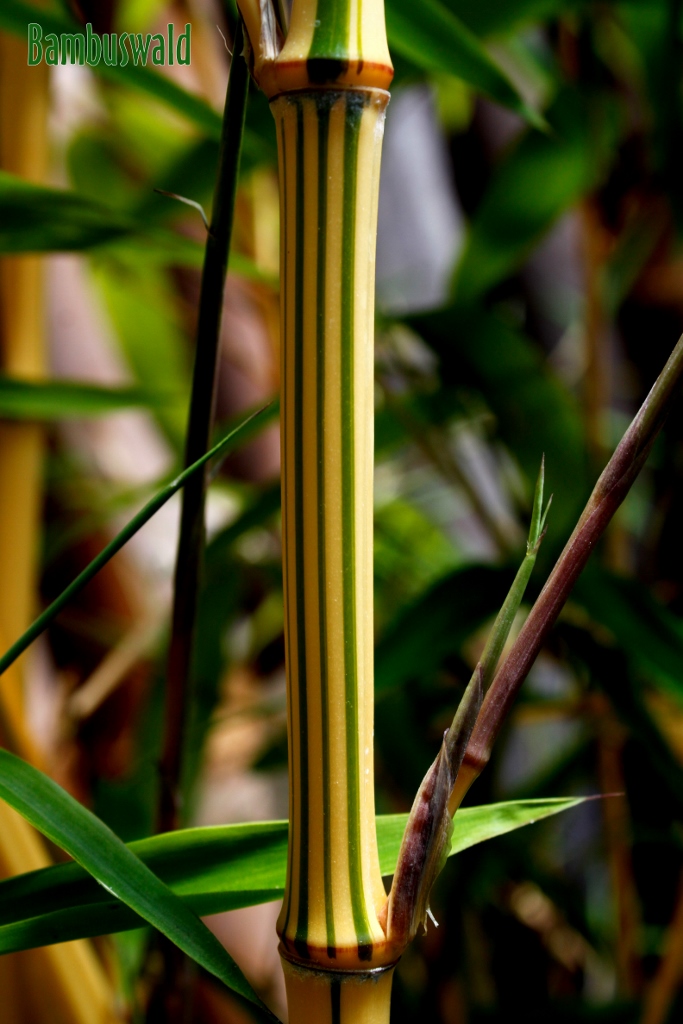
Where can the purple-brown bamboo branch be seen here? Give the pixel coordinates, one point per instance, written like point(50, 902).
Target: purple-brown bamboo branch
point(608, 494)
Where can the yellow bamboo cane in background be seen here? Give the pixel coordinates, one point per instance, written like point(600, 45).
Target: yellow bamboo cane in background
point(59, 984)
point(327, 86)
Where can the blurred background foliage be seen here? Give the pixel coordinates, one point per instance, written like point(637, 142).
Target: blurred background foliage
point(530, 287)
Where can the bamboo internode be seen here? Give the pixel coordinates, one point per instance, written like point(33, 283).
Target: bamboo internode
point(329, 997)
point(327, 84)
point(329, 158)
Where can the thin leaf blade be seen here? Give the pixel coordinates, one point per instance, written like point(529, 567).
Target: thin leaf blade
point(438, 41)
point(212, 870)
point(56, 814)
point(64, 399)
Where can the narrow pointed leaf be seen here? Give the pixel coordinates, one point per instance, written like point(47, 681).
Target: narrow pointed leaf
point(93, 845)
point(62, 399)
point(500, 630)
point(35, 218)
point(213, 869)
point(435, 40)
point(153, 505)
point(474, 825)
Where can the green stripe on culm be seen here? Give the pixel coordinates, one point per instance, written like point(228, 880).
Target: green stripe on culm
point(285, 506)
point(332, 30)
point(335, 999)
point(355, 104)
point(323, 115)
point(301, 939)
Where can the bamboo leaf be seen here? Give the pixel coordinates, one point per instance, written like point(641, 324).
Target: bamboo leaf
point(93, 845)
point(437, 623)
point(436, 40)
point(37, 219)
point(543, 176)
point(145, 514)
point(492, 18)
point(34, 218)
point(212, 870)
point(534, 411)
point(474, 825)
point(63, 399)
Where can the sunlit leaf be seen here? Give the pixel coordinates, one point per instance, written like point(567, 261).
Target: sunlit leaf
point(213, 869)
point(116, 868)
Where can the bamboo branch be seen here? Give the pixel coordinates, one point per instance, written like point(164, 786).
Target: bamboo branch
point(427, 836)
point(608, 494)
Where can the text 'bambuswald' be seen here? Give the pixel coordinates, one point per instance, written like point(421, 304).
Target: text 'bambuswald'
point(110, 48)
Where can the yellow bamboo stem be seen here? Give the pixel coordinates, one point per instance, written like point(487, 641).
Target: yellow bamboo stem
point(328, 997)
point(327, 85)
point(23, 151)
point(63, 984)
point(335, 890)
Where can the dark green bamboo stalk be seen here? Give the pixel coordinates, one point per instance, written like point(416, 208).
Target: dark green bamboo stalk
point(202, 401)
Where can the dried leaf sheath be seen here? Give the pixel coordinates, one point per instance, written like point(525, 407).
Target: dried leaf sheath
point(329, 144)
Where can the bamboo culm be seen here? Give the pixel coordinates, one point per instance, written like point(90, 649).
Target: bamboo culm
point(328, 90)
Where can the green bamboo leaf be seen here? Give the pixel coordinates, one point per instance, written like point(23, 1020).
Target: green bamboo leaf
point(543, 176)
point(500, 630)
point(534, 412)
point(212, 870)
point(492, 18)
point(434, 39)
point(63, 399)
point(153, 505)
point(34, 218)
point(473, 825)
point(56, 814)
point(37, 219)
point(437, 623)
